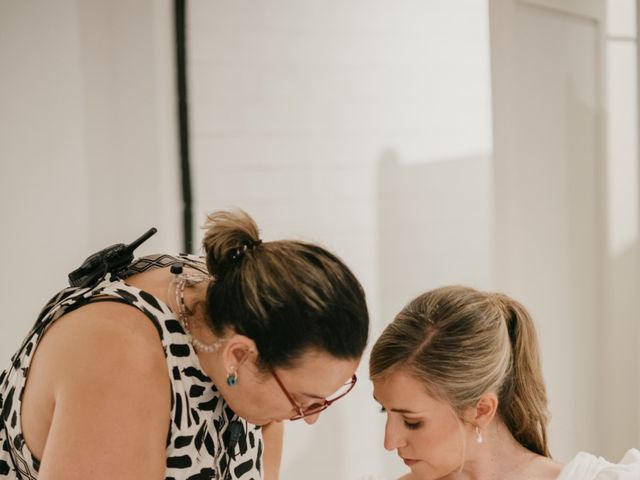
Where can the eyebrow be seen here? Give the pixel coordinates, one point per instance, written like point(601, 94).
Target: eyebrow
point(402, 410)
point(313, 395)
point(398, 410)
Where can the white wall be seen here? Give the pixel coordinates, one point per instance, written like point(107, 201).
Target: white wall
point(619, 415)
point(86, 142)
point(435, 227)
point(294, 104)
point(43, 193)
point(566, 197)
point(547, 140)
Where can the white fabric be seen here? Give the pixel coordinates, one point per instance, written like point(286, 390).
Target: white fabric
point(585, 466)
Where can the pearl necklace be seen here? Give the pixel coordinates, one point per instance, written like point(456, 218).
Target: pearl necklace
point(181, 282)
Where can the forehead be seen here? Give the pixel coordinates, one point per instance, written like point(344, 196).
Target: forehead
point(400, 390)
point(319, 373)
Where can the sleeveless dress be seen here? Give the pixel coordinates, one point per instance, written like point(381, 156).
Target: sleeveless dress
point(198, 434)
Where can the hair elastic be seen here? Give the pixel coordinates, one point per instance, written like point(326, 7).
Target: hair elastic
point(240, 252)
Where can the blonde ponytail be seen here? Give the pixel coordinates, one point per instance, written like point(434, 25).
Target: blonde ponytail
point(523, 402)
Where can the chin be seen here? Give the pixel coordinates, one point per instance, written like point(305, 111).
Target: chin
point(260, 422)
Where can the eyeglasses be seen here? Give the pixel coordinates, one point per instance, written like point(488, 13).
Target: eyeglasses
point(316, 407)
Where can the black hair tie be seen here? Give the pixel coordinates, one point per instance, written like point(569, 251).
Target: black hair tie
point(240, 252)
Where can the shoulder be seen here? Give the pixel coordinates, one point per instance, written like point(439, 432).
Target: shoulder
point(107, 319)
point(107, 376)
point(109, 339)
point(545, 467)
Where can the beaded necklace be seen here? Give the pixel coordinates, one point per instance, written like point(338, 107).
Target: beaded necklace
point(180, 282)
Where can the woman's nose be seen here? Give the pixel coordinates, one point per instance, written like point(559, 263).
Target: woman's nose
point(311, 419)
point(392, 437)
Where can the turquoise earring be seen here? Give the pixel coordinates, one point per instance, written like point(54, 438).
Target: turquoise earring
point(232, 379)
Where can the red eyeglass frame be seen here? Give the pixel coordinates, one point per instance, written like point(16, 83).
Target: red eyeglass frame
point(315, 407)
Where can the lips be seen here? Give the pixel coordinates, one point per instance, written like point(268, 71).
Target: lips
point(409, 461)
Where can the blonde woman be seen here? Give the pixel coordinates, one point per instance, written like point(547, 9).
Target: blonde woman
point(458, 375)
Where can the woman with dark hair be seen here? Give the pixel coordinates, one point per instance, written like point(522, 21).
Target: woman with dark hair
point(171, 368)
point(458, 374)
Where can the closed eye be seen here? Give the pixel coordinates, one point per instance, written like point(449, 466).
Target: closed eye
point(412, 425)
point(409, 425)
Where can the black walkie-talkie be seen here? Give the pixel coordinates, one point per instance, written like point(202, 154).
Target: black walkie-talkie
point(113, 260)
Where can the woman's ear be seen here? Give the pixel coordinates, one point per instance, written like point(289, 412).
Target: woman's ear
point(484, 411)
point(237, 350)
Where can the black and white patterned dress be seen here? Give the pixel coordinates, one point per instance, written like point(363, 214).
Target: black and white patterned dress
point(200, 418)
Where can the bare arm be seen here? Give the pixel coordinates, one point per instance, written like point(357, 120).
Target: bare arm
point(272, 434)
point(111, 397)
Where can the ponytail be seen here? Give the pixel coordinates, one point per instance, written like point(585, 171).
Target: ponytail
point(523, 400)
point(228, 236)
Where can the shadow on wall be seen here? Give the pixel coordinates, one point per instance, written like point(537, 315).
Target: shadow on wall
point(435, 226)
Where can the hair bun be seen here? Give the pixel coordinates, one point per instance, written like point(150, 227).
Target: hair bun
point(229, 235)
